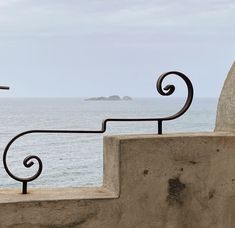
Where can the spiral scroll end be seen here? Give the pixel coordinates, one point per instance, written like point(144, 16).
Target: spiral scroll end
point(27, 163)
point(170, 89)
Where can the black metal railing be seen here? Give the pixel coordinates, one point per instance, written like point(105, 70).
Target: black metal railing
point(29, 161)
point(4, 87)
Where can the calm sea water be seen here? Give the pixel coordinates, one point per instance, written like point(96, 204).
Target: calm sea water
point(76, 159)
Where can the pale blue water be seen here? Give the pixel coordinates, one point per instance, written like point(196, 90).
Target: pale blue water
point(76, 159)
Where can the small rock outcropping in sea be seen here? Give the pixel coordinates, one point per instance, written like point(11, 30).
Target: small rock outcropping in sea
point(110, 98)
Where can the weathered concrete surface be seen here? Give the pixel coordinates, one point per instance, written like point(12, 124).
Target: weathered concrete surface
point(169, 181)
point(225, 120)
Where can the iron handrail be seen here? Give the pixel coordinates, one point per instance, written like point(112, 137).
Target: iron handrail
point(166, 91)
point(4, 87)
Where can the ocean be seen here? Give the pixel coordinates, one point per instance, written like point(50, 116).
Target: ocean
point(77, 159)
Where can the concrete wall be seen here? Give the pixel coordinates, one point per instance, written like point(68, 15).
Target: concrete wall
point(168, 181)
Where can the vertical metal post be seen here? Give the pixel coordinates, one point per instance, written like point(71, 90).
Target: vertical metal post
point(24, 187)
point(160, 127)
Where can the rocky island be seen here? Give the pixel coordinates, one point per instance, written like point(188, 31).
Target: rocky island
point(110, 98)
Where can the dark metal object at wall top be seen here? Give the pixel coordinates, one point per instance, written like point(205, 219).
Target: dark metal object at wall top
point(4, 87)
point(166, 91)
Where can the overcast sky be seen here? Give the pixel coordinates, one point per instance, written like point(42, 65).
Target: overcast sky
point(80, 48)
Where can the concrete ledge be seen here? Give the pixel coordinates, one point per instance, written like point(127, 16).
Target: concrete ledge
point(55, 194)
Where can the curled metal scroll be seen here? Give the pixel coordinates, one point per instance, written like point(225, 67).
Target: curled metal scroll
point(166, 91)
point(170, 89)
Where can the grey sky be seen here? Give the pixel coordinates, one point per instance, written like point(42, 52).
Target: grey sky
point(102, 47)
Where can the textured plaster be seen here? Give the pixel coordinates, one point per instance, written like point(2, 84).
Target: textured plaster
point(225, 120)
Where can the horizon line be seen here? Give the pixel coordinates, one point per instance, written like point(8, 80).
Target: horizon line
point(85, 97)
